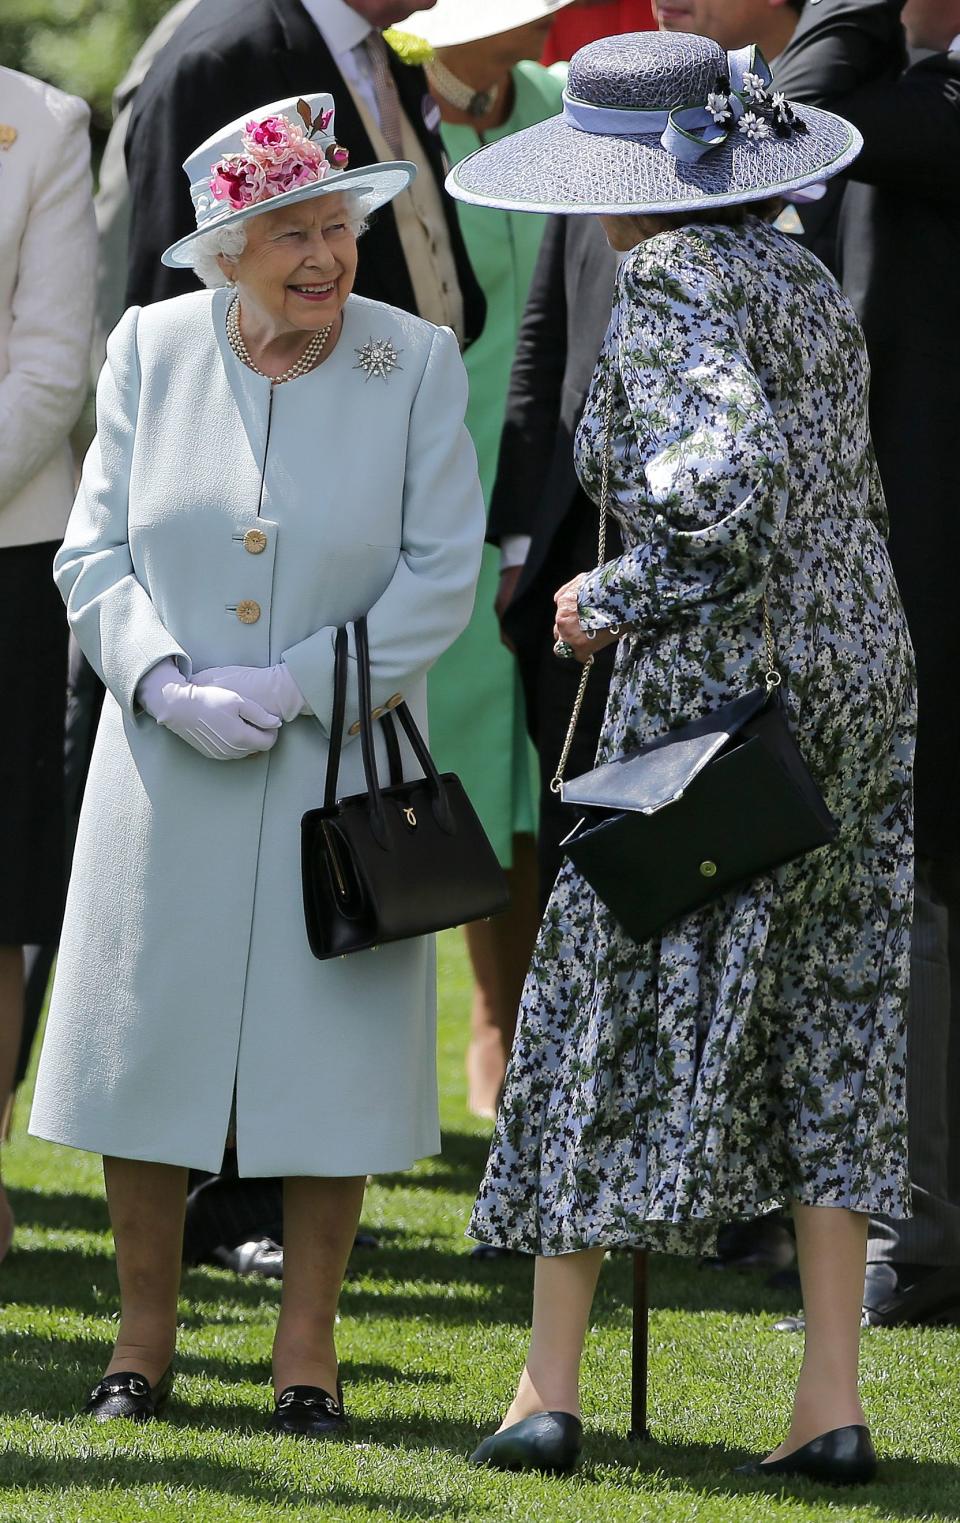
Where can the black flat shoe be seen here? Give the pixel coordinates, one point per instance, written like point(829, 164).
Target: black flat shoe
point(842, 1457)
point(127, 1394)
point(309, 1412)
point(546, 1441)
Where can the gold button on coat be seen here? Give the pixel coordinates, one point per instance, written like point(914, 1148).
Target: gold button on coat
point(708, 868)
point(395, 701)
point(255, 542)
point(248, 612)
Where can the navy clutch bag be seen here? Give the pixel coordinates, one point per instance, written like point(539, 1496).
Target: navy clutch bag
point(696, 813)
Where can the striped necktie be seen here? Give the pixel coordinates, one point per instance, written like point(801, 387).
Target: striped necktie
point(385, 89)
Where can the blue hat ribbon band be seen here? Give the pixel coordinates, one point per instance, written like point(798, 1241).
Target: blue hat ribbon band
point(694, 130)
point(611, 121)
point(689, 132)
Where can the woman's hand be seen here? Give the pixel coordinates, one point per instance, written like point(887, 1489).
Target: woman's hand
point(567, 626)
point(216, 722)
point(273, 687)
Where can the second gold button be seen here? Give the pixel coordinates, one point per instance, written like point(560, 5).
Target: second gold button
point(255, 541)
point(248, 612)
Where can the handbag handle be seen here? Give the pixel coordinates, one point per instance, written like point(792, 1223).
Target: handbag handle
point(440, 804)
point(772, 676)
point(394, 760)
point(337, 718)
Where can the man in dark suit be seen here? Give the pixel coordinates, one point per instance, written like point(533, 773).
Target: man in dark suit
point(897, 240)
point(545, 524)
point(230, 56)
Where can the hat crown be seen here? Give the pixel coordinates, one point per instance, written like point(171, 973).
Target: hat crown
point(646, 71)
point(229, 140)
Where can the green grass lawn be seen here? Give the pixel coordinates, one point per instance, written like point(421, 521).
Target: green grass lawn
point(431, 1344)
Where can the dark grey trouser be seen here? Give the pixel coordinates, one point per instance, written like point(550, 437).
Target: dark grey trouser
point(932, 1235)
point(84, 700)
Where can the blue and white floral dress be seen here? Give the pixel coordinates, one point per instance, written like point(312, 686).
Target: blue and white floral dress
point(755, 1054)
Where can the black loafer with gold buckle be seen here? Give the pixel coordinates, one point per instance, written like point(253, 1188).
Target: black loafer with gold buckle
point(130, 1395)
point(309, 1412)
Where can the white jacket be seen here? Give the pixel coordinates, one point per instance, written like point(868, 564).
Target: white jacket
point(48, 249)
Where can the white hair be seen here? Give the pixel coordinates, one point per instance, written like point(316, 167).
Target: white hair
point(231, 242)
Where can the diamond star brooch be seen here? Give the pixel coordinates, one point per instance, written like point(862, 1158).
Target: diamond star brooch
point(378, 357)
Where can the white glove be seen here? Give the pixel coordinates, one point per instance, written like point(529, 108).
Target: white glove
point(216, 721)
point(272, 686)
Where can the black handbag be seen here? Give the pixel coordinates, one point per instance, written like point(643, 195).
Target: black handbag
point(397, 861)
point(698, 811)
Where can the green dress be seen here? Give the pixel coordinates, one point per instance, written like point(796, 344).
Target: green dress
point(477, 726)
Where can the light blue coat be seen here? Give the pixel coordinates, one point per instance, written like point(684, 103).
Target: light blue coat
point(184, 975)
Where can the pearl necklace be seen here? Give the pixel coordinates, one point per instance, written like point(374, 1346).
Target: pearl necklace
point(307, 360)
point(445, 83)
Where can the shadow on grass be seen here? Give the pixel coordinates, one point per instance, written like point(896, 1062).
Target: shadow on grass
point(458, 1167)
point(906, 1489)
point(119, 1472)
point(399, 1281)
point(59, 1212)
point(52, 1379)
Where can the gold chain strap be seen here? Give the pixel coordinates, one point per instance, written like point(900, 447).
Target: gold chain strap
point(556, 782)
point(772, 676)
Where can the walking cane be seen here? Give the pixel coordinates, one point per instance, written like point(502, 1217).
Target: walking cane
point(638, 1373)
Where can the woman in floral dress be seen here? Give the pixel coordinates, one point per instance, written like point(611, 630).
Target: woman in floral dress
point(753, 1055)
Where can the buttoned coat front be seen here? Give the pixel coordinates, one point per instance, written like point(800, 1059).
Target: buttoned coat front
point(185, 986)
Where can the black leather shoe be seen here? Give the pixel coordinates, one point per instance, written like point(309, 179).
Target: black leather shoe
point(486, 1252)
point(546, 1441)
point(901, 1295)
point(842, 1457)
point(261, 1256)
point(763, 1244)
point(127, 1394)
point(309, 1412)
point(910, 1294)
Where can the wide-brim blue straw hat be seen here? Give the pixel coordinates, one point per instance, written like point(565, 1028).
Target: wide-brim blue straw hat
point(658, 122)
point(369, 187)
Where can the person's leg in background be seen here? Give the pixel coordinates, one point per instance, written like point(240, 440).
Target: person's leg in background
point(83, 703)
point(913, 1267)
point(11, 1022)
point(32, 624)
point(500, 951)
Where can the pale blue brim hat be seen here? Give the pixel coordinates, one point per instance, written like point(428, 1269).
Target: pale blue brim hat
point(656, 123)
point(369, 187)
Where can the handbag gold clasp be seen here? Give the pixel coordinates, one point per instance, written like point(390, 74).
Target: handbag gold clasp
point(410, 817)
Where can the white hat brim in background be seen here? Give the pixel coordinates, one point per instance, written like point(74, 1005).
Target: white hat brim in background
point(451, 23)
point(553, 167)
point(369, 188)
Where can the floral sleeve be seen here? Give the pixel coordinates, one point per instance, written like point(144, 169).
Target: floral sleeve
point(706, 468)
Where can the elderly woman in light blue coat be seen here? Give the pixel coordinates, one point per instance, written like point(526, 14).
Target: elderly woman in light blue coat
point(273, 459)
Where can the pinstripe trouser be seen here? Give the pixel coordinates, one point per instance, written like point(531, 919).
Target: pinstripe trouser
point(932, 1235)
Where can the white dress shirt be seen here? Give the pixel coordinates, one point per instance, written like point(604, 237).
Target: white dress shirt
point(345, 31)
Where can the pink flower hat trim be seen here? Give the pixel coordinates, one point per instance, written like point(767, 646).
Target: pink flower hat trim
point(279, 155)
